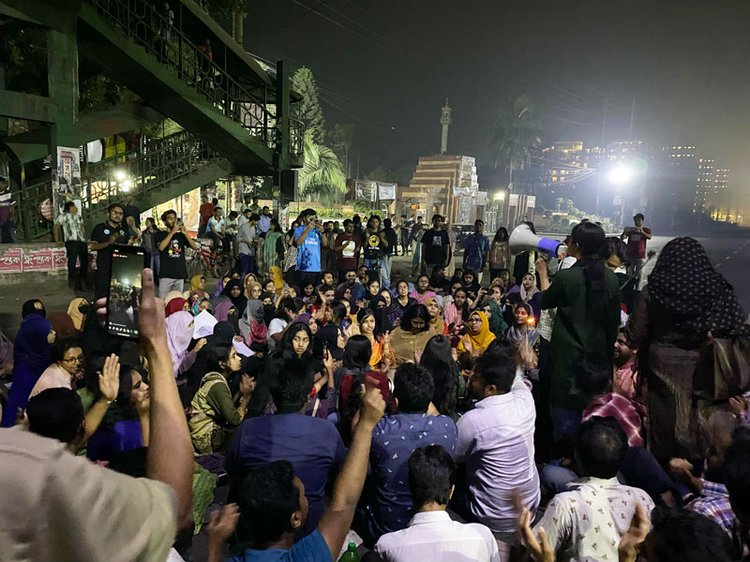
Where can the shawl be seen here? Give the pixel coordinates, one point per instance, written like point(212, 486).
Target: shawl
point(404, 344)
point(437, 324)
point(479, 341)
point(195, 282)
point(278, 278)
point(76, 315)
point(270, 256)
point(526, 296)
point(697, 297)
point(498, 326)
point(179, 335)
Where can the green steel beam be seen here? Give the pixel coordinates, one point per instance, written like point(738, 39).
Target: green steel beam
point(54, 14)
point(27, 106)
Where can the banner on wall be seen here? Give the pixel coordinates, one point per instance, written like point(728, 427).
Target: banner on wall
point(387, 191)
point(66, 179)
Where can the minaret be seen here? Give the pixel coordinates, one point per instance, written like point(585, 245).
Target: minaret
point(445, 121)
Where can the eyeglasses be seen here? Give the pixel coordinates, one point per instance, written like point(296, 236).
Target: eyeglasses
point(78, 359)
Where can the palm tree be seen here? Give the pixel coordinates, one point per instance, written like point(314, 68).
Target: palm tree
point(321, 174)
point(514, 135)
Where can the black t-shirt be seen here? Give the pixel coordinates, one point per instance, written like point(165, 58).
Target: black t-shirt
point(436, 245)
point(172, 258)
point(392, 239)
point(101, 233)
point(373, 246)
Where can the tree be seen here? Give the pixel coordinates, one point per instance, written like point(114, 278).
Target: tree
point(342, 138)
point(321, 174)
point(310, 112)
point(235, 10)
point(514, 134)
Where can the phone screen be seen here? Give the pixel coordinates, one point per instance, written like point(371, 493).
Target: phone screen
point(125, 290)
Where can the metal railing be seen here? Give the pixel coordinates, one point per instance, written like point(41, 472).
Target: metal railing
point(34, 210)
point(161, 38)
point(152, 165)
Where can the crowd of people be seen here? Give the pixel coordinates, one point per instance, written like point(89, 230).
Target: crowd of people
point(557, 407)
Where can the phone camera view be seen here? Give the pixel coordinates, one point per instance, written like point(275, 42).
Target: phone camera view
point(124, 293)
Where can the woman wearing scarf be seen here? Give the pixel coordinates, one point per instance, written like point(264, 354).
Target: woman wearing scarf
point(233, 293)
point(198, 285)
point(684, 305)
point(477, 338)
point(77, 310)
point(498, 325)
point(177, 304)
point(252, 325)
point(273, 248)
point(437, 325)
point(526, 293)
point(179, 336)
point(31, 356)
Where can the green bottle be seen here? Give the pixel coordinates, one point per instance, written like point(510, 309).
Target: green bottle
point(351, 554)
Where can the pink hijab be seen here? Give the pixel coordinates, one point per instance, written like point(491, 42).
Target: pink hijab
point(179, 335)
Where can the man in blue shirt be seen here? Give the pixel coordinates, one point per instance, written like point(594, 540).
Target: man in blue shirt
point(393, 441)
point(308, 239)
point(312, 445)
point(476, 249)
point(273, 507)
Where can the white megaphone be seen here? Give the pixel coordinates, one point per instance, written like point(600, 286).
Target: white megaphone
point(523, 240)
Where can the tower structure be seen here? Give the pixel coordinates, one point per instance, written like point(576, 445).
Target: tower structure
point(445, 121)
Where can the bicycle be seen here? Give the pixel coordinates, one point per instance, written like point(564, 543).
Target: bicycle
point(207, 261)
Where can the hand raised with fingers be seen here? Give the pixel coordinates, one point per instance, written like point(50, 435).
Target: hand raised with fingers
point(538, 545)
point(109, 378)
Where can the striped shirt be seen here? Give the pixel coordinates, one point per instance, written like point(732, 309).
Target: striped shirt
point(72, 227)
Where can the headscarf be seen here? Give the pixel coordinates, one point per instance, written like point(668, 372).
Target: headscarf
point(195, 282)
point(31, 345)
point(252, 326)
point(278, 277)
point(179, 335)
point(196, 302)
point(697, 297)
point(437, 324)
point(480, 341)
point(221, 310)
point(219, 288)
point(62, 324)
point(76, 316)
point(29, 308)
point(526, 296)
point(498, 325)
point(177, 304)
point(223, 332)
point(240, 302)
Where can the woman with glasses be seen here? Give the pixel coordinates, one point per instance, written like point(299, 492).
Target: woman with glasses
point(66, 369)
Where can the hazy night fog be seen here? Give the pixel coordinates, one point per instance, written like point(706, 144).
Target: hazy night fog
point(387, 66)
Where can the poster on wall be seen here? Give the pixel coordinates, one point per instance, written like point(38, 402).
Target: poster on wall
point(66, 179)
point(387, 191)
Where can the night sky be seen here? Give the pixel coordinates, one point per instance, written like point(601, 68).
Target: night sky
point(388, 66)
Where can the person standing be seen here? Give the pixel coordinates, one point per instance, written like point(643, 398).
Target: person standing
point(247, 241)
point(70, 224)
point(206, 211)
point(635, 251)
point(308, 238)
point(373, 243)
point(171, 244)
point(103, 237)
point(391, 245)
point(436, 249)
point(476, 249)
point(132, 210)
point(347, 247)
point(499, 253)
point(403, 230)
point(265, 220)
point(417, 233)
point(7, 226)
point(149, 243)
point(216, 230)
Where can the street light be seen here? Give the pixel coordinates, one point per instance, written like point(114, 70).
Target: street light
point(120, 175)
point(621, 174)
point(499, 196)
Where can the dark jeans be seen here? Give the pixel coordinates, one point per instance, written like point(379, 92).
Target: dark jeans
point(247, 264)
point(8, 232)
point(76, 250)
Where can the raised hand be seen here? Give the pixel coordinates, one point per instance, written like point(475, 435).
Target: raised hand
point(538, 545)
point(631, 541)
point(109, 378)
point(373, 405)
point(151, 322)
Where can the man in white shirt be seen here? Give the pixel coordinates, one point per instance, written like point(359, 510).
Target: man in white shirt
point(496, 441)
point(247, 242)
point(431, 534)
point(585, 523)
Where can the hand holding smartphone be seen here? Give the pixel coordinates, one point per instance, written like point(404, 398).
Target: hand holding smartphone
point(124, 296)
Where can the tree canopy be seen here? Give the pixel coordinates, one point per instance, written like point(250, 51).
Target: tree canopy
point(309, 111)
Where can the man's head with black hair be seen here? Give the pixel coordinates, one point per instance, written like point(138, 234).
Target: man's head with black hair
point(56, 413)
point(600, 447)
point(432, 476)
point(272, 504)
point(493, 373)
point(594, 378)
point(292, 385)
point(685, 536)
point(413, 388)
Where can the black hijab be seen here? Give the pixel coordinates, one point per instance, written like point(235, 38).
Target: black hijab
point(239, 302)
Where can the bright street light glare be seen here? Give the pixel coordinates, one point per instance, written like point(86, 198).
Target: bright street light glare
point(126, 185)
point(621, 174)
point(120, 175)
point(499, 196)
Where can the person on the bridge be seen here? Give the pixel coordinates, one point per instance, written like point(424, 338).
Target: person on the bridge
point(635, 251)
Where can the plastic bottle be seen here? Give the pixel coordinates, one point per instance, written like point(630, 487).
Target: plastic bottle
point(351, 554)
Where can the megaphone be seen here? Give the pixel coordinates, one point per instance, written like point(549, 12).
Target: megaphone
point(523, 240)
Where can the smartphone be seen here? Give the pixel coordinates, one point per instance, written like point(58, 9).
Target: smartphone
point(124, 296)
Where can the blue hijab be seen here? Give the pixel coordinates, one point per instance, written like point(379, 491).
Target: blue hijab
point(31, 356)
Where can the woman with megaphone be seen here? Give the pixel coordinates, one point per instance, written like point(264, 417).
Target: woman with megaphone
point(587, 298)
